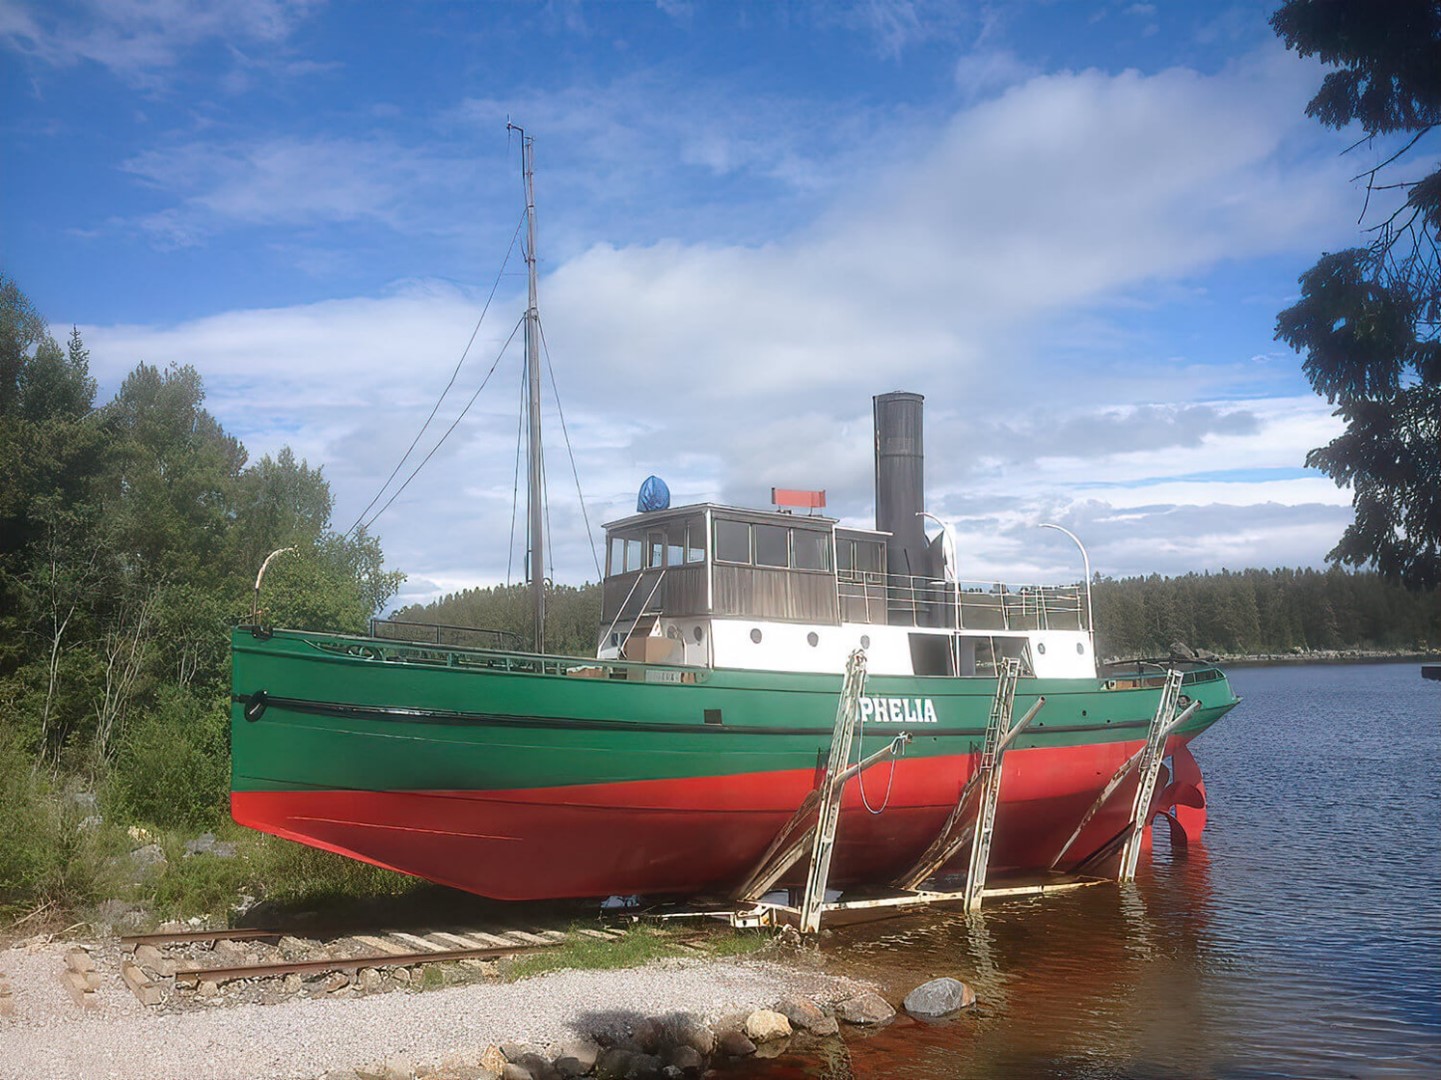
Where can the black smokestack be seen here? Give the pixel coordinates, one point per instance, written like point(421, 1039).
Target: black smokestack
point(900, 482)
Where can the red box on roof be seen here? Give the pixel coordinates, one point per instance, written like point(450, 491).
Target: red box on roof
point(810, 500)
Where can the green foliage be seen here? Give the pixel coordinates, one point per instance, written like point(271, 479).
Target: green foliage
point(294, 874)
point(1368, 319)
point(52, 856)
point(130, 535)
point(173, 764)
point(1263, 612)
point(572, 614)
point(1389, 78)
point(640, 945)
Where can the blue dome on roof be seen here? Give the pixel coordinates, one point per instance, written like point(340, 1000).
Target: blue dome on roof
point(654, 495)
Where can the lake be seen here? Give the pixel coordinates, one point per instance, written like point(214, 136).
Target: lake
point(1302, 939)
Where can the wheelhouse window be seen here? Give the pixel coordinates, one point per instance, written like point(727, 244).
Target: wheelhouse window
point(811, 550)
point(772, 545)
point(732, 541)
point(665, 544)
point(695, 542)
point(780, 547)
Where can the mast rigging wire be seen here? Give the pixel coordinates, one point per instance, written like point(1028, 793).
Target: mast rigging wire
point(458, 364)
point(580, 495)
point(453, 423)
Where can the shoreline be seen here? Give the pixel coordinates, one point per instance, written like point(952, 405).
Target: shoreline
point(441, 1032)
point(1330, 656)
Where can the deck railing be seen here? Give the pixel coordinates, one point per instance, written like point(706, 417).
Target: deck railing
point(477, 637)
point(964, 605)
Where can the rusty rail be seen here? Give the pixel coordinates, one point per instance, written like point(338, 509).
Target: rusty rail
point(186, 937)
point(354, 963)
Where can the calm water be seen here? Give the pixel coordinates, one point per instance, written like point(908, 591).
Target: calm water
point(1303, 940)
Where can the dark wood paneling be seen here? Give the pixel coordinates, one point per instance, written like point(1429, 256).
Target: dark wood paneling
point(775, 594)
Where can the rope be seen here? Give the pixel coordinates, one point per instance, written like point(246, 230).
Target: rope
point(861, 776)
point(448, 430)
point(555, 389)
point(436, 408)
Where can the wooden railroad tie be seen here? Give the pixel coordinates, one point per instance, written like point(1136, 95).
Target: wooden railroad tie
point(81, 978)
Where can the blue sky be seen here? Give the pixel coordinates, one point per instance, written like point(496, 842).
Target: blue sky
point(1070, 225)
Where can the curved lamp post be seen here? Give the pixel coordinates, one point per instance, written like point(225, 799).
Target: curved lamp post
point(1086, 559)
point(255, 604)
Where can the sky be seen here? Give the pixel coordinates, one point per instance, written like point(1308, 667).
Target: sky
point(1069, 225)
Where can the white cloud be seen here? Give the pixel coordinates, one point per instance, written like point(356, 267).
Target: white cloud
point(984, 71)
point(727, 367)
point(137, 38)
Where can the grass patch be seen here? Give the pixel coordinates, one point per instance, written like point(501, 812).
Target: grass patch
point(737, 942)
point(640, 945)
point(581, 952)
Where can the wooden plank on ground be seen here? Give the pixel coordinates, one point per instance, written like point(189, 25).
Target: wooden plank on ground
point(527, 938)
point(458, 941)
point(79, 988)
point(488, 941)
point(78, 960)
point(418, 942)
point(384, 945)
point(139, 983)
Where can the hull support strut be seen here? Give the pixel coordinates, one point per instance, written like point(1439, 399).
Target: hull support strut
point(812, 828)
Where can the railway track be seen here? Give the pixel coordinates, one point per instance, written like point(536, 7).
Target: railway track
point(208, 965)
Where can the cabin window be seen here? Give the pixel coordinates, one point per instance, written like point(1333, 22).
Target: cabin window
point(616, 562)
point(695, 543)
point(732, 541)
point(632, 554)
point(675, 544)
point(812, 550)
point(931, 654)
point(771, 545)
point(845, 555)
point(655, 549)
point(870, 556)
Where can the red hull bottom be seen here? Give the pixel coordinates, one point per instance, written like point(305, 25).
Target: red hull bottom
point(693, 836)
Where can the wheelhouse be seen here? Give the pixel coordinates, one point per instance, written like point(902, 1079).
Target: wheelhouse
point(721, 586)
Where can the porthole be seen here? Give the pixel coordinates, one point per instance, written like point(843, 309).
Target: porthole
point(865, 641)
point(673, 632)
point(698, 634)
point(1080, 648)
point(756, 636)
point(813, 639)
point(1041, 647)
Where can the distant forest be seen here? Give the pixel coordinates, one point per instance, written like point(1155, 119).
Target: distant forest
point(1246, 612)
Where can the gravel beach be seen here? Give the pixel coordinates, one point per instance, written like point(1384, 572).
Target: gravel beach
point(49, 1036)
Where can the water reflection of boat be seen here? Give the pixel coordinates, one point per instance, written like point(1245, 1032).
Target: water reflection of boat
point(1128, 992)
point(667, 762)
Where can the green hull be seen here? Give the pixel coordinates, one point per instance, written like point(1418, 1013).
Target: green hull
point(424, 758)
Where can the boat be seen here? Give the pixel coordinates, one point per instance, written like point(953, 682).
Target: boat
point(667, 763)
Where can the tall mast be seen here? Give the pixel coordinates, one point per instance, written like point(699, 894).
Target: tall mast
point(536, 560)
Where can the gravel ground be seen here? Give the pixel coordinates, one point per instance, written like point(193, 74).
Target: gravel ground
point(50, 1036)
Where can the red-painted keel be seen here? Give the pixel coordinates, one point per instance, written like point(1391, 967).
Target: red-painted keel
point(690, 836)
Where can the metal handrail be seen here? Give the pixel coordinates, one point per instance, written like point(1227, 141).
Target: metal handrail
point(1045, 606)
point(502, 636)
point(621, 610)
point(643, 608)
